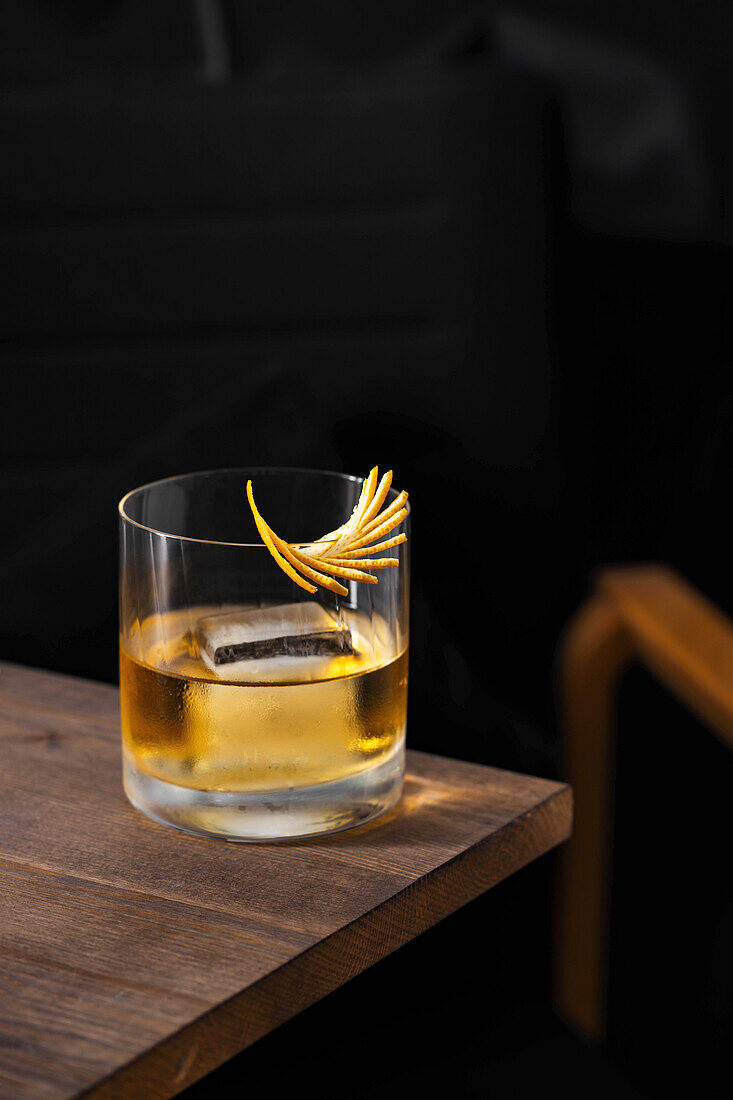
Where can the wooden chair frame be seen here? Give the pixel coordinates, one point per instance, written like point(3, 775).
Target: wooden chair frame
point(651, 615)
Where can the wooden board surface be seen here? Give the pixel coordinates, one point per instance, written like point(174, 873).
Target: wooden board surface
point(134, 959)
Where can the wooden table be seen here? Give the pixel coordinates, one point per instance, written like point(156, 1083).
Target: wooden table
point(135, 959)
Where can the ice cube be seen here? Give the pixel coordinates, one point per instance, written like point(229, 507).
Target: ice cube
point(286, 630)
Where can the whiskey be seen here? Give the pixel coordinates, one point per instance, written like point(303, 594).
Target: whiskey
point(269, 725)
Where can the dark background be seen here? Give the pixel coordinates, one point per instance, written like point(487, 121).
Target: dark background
point(486, 245)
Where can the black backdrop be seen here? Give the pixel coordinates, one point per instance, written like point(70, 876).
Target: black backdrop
point(485, 245)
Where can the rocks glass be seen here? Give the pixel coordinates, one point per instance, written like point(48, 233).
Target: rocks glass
point(251, 709)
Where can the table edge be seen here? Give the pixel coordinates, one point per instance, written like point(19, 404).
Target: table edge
point(231, 1026)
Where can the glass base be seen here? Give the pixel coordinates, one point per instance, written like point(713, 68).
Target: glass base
point(269, 815)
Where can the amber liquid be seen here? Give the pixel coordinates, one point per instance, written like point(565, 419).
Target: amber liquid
point(277, 725)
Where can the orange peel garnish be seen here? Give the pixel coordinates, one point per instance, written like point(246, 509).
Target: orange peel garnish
point(345, 552)
point(386, 545)
point(365, 563)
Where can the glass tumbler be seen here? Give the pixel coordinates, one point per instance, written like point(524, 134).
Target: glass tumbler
point(241, 716)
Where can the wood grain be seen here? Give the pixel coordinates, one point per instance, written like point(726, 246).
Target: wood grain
point(135, 959)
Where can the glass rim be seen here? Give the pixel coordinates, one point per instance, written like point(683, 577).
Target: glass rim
point(227, 470)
